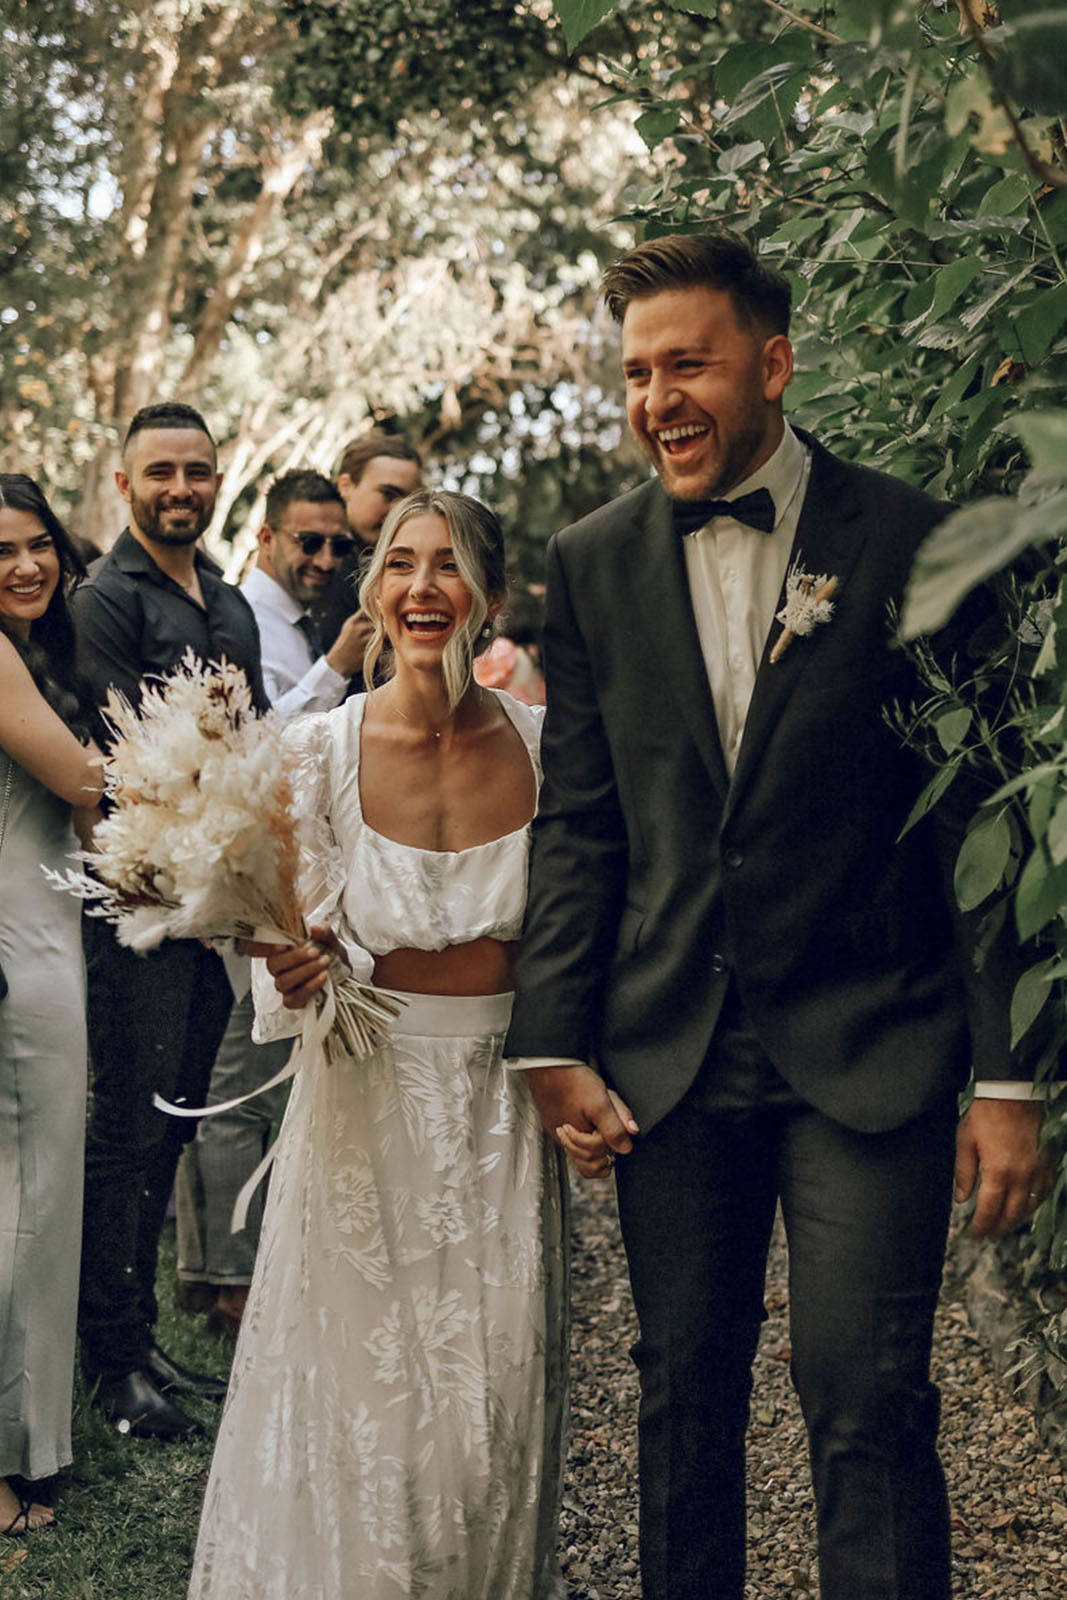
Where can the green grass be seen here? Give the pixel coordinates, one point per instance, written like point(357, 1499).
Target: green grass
point(127, 1510)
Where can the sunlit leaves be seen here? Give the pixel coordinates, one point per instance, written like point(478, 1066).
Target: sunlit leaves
point(971, 545)
point(579, 17)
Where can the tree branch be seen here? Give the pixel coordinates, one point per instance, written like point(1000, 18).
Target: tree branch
point(803, 22)
point(280, 174)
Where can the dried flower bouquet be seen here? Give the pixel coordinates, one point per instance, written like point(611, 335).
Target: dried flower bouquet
point(199, 839)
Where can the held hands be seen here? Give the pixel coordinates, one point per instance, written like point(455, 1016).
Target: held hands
point(299, 971)
point(997, 1147)
point(588, 1119)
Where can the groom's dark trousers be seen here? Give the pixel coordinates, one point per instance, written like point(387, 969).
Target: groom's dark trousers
point(866, 1217)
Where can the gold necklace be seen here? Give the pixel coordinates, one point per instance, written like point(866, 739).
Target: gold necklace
point(432, 733)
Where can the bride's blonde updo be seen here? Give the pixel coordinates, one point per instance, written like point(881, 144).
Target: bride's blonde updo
point(478, 546)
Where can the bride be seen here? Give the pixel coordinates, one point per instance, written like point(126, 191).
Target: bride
point(394, 1420)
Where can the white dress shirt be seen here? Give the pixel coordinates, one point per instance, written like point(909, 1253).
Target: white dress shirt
point(294, 680)
point(735, 578)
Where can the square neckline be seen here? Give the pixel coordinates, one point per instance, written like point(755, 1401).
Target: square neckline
point(424, 850)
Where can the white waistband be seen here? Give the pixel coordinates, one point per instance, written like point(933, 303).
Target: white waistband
point(452, 1016)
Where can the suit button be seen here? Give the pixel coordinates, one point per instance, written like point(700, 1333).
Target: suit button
point(718, 963)
point(733, 858)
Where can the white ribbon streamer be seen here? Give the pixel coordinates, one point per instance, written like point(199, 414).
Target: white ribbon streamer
point(318, 1022)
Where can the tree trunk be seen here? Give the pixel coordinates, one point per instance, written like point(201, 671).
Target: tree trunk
point(159, 180)
point(280, 176)
point(101, 514)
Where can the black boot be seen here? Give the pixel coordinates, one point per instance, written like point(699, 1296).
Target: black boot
point(172, 1378)
point(137, 1407)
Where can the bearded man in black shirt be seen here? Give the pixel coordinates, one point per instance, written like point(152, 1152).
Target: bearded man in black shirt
point(155, 1021)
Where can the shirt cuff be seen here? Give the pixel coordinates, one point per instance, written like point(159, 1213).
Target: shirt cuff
point(329, 678)
point(526, 1063)
point(1010, 1089)
point(320, 689)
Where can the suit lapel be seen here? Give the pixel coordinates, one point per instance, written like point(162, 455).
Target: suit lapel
point(828, 539)
point(660, 594)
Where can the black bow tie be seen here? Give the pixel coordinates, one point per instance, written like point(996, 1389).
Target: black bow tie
point(755, 510)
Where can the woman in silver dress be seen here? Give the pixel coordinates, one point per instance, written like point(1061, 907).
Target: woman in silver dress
point(394, 1422)
point(47, 783)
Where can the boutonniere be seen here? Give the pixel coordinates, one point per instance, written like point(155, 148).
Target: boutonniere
point(808, 602)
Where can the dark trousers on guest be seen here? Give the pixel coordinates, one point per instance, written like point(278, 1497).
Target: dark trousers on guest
point(866, 1216)
point(155, 1023)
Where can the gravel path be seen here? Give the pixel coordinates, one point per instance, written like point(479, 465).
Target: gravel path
point(1009, 1510)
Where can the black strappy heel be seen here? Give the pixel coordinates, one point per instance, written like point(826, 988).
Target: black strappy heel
point(22, 1516)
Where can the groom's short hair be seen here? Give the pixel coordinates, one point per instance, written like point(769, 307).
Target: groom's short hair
point(718, 259)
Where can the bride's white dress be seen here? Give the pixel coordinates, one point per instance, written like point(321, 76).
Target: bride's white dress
point(395, 1414)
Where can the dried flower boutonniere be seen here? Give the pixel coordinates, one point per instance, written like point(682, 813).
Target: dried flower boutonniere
point(808, 602)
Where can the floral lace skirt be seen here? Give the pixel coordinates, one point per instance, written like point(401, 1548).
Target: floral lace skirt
point(395, 1416)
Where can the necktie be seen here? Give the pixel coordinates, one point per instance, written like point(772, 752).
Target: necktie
point(310, 629)
point(756, 510)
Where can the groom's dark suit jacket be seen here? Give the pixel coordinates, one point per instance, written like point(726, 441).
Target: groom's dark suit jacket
point(654, 876)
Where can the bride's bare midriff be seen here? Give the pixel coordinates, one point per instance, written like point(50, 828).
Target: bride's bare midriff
point(483, 966)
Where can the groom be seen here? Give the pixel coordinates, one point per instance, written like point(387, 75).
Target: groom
point(725, 927)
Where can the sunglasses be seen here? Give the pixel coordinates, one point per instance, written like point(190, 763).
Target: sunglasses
point(341, 544)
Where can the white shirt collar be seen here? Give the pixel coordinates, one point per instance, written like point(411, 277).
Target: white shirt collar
point(781, 475)
point(267, 591)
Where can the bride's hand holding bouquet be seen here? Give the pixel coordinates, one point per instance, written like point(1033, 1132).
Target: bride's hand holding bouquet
point(300, 972)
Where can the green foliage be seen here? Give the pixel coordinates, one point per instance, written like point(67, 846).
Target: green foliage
point(52, 151)
point(581, 16)
point(983, 860)
point(972, 544)
point(1033, 69)
point(865, 146)
point(378, 65)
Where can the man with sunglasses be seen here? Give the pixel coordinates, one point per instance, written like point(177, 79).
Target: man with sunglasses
point(302, 544)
